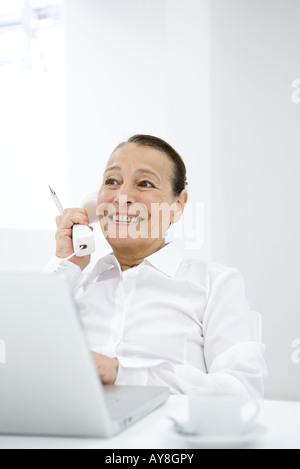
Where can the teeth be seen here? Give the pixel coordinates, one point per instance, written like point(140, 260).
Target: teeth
point(123, 218)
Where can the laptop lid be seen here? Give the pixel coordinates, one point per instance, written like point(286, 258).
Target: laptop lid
point(48, 380)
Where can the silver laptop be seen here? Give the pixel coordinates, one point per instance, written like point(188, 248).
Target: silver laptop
point(48, 380)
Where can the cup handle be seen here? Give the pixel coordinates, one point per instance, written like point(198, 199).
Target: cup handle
point(256, 410)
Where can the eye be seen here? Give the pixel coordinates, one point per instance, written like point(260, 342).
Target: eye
point(146, 184)
point(111, 182)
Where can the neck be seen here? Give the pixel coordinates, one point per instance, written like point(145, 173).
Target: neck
point(129, 257)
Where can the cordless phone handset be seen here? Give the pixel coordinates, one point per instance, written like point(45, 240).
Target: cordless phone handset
point(83, 238)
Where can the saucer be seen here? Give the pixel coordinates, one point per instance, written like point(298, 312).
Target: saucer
point(223, 441)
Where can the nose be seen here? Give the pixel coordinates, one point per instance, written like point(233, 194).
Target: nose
point(125, 197)
point(122, 202)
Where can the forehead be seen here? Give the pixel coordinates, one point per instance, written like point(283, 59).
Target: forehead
point(133, 156)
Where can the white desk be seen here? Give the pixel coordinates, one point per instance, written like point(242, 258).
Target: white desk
point(282, 420)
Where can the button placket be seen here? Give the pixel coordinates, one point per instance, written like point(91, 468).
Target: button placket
point(123, 299)
point(115, 335)
point(128, 285)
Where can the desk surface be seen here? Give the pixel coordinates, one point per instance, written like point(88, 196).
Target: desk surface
point(281, 420)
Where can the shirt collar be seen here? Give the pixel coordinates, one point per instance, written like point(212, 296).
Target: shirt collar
point(102, 265)
point(166, 260)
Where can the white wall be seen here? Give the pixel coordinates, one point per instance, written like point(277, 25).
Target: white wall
point(256, 167)
point(26, 250)
point(32, 137)
point(138, 67)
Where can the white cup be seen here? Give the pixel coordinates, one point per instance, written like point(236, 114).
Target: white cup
point(215, 414)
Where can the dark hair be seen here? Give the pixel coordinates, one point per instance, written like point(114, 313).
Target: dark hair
point(179, 180)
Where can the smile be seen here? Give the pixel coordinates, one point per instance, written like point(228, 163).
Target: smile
point(125, 219)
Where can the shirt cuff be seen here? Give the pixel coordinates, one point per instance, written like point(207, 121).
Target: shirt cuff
point(72, 270)
point(131, 376)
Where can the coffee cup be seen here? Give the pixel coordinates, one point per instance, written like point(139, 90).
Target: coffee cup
point(215, 414)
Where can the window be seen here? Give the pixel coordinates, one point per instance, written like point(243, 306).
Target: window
point(32, 111)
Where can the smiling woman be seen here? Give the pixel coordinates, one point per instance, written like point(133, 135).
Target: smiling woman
point(143, 191)
point(152, 317)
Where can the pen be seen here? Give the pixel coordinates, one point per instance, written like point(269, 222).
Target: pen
point(56, 200)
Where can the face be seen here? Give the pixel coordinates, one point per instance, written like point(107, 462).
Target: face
point(136, 203)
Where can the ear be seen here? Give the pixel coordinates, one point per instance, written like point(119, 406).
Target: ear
point(178, 207)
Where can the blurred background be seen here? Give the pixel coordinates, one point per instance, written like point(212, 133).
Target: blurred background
point(212, 77)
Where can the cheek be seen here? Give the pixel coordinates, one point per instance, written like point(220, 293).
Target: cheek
point(161, 211)
point(147, 201)
point(104, 195)
point(104, 203)
point(159, 207)
point(152, 199)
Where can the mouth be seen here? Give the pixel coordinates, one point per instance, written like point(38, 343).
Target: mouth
point(125, 219)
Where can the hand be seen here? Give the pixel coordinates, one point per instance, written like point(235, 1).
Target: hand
point(107, 368)
point(63, 236)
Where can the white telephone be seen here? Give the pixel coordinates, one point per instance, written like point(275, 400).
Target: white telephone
point(83, 238)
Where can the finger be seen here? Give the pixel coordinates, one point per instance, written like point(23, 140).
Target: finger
point(63, 233)
point(74, 216)
point(58, 220)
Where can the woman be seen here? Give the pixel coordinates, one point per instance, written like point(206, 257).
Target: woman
point(152, 317)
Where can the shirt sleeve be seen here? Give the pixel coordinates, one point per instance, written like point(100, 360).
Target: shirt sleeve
point(233, 351)
point(72, 271)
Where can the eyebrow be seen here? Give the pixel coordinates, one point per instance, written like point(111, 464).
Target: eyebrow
point(140, 171)
point(113, 168)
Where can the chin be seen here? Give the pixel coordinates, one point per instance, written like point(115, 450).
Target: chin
point(122, 243)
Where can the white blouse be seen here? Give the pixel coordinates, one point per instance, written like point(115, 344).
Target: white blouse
point(171, 321)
